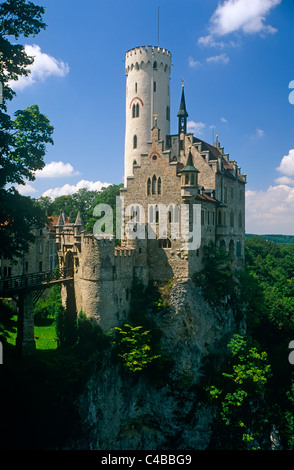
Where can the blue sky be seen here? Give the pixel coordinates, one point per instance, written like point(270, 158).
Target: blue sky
point(236, 57)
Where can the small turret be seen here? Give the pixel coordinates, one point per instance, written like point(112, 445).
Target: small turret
point(189, 178)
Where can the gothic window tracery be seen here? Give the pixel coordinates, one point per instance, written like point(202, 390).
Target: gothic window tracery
point(159, 186)
point(154, 184)
point(148, 187)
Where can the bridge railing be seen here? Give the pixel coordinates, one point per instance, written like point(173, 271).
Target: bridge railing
point(34, 279)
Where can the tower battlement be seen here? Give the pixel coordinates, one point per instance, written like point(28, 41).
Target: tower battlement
point(134, 57)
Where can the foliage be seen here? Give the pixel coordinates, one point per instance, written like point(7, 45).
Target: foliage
point(83, 201)
point(132, 346)
point(45, 307)
point(91, 339)
point(7, 324)
point(22, 139)
point(216, 278)
point(240, 398)
point(108, 196)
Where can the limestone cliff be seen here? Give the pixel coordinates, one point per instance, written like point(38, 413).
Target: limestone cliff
point(123, 412)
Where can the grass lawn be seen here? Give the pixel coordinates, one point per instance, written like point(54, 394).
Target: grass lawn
point(45, 336)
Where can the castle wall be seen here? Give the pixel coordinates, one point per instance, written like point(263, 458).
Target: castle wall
point(103, 280)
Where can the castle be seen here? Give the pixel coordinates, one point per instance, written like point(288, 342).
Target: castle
point(179, 194)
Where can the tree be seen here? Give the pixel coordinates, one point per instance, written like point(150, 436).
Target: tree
point(240, 395)
point(22, 139)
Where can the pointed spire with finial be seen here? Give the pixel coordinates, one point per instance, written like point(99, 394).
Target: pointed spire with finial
point(60, 221)
point(182, 114)
point(78, 220)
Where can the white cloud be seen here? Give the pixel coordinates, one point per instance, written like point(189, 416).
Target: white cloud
point(71, 189)
point(224, 120)
point(260, 132)
point(210, 41)
point(270, 211)
point(56, 170)
point(26, 189)
point(220, 59)
point(196, 127)
point(193, 62)
point(285, 180)
point(245, 15)
point(287, 164)
point(44, 66)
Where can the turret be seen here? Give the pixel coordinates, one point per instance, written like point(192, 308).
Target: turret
point(147, 96)
point(189, 178)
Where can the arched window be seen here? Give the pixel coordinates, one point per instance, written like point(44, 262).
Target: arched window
point(240, 219)
point(225, 194)
point(231, 249)
point(137, 214)
point(148, 186)
point(238, 248)
point(219, 218)
point(232, 219)
point(154, 184)
point(151, 214)
point(135, 141)
point(156, 214)
point(155, 65)
point(159, 186)
point(136, 87)
point(192, 178)
point(164, 243)
point(186, 179)
point(135, 110)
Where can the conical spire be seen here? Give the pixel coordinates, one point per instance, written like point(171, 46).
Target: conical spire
point(183, 111)
point(182, 114)
point(79, 221)
point(189, 165)
point(60, 221)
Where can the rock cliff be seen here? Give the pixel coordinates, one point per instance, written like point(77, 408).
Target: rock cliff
point(123, 412)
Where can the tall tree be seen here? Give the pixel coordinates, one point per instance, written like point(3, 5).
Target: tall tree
point(23, 138)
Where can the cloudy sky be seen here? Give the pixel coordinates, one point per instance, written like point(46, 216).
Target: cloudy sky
point(236, 57)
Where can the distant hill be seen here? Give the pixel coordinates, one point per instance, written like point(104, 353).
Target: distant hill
point(273, 238)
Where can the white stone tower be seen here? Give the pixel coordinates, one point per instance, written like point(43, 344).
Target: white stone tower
point(147, 99)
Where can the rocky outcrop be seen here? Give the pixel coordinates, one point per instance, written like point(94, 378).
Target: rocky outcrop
point(122, 412)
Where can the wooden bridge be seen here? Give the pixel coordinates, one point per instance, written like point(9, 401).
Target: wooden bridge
point(26, 290)
point(10, 286)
